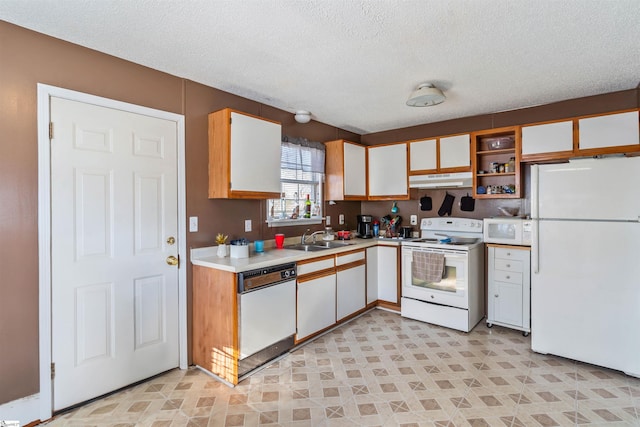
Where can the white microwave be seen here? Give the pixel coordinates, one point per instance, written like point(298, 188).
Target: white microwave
point(507, 231)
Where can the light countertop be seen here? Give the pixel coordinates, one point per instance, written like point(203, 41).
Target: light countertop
point(206, 257)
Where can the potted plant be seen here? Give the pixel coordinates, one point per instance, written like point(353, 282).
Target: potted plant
point(221, 240)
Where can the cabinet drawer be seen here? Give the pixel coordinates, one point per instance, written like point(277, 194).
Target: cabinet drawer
point(508, 265)
point(508, 276)
point(510, 253)
point(350, 257)
point(313, 266)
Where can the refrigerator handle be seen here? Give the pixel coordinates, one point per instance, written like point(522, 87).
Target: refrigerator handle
point(534, 192)
point(535, 243)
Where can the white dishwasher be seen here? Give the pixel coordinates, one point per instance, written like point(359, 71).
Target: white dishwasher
point(266, 313)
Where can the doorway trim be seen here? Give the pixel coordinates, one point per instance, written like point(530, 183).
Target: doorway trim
point(45, 92)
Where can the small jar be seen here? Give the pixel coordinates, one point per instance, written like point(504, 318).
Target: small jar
point(501, 168)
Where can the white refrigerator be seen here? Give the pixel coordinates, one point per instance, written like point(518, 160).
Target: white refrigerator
point(585, 278)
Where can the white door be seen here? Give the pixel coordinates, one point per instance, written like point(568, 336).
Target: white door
point(114, 223)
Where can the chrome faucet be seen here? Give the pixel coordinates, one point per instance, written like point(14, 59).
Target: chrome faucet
point(313, 235)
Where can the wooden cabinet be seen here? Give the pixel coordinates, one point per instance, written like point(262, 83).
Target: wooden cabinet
point(444, 154)
point(609, 132)
point(350, 283)
point(215, 322)
point(316, 302)
point(345, 171)
point(387, 175)
point(423, 156)
point(509, 287)
point(547, 140)
point(244, 156)
point(612, 133)
point(383, 280)
point(455, 153)
point(496, 184)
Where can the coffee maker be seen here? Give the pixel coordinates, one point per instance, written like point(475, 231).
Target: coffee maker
point(365, 226)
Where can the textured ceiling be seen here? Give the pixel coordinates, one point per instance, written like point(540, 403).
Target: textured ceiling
point(353, 63)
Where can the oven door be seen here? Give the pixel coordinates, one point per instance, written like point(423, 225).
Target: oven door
point(451, 290)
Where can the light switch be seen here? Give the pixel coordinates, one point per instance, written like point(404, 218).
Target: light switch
point(414, 219)
point(247, 225)
point(327, 220)
point(193, 224)
point(341, 219)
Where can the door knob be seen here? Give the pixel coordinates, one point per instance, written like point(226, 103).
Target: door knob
point(171, 260)
point(171, 240)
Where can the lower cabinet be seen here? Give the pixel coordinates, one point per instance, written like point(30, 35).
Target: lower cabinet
point(509, 287)
point(316, 304)
point(382, 274)
point(351, 289)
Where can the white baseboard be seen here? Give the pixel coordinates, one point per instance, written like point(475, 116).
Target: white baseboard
point(25, 410)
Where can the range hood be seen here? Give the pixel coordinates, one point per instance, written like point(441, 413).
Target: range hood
point(441, 180)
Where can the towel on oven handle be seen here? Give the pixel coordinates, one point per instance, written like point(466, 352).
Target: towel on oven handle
point(427, 267)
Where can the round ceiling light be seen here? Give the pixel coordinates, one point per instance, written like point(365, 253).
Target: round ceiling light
point(303, 116)
point(425, 96)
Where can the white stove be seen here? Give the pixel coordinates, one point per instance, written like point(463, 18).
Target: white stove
point(443, 273)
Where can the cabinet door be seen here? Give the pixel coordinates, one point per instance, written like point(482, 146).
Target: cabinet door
point(388, 273)
point(316, 305)
point(372, 274)
point(455, 152)
point(608, 131)
point(388, 171)
point(355, 171)
point(423, 155)
point(507, 303)
point(255, 154)
point(351, 291)
point(547, 138)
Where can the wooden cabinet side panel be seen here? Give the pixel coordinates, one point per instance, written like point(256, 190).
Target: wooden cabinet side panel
point(215, 322)
point(334, 173)
point(219, 154)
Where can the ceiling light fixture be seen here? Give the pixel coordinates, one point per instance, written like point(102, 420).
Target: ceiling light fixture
point(303, 116)
point(425, 96)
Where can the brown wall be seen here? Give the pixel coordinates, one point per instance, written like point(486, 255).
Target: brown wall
point(28, 58)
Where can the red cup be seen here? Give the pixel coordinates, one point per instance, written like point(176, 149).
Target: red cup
point(279, 241)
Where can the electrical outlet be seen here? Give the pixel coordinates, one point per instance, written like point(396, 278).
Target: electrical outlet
point(247, 225)
point(414, 219)
point(341, 219)
point(193, 224)
point(327, 220)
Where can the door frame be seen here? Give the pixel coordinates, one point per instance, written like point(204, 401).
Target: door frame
point(45, 92)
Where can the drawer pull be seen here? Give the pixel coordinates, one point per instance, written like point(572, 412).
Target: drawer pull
point(508, 277)
point(508, 253)
point(496, 295)
point(508, 265)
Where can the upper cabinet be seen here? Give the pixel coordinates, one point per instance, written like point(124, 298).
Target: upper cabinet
point(495, 156)
point(609, 133)
point(388, 179)
point(240, 145)
point(345, 171)
point(547, 140)
point(444, 154)
point(587, 136)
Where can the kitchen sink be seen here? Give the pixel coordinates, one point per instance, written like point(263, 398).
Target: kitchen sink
point(307, 248)
point(331, 244)
point(318, 246)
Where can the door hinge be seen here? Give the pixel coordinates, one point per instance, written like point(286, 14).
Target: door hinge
point(50, 130)
point(230, 120)
point(53, 370)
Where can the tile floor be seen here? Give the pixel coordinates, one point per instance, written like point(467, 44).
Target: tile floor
point(384, 370)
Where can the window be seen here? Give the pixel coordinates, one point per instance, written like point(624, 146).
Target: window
point(301, 173)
